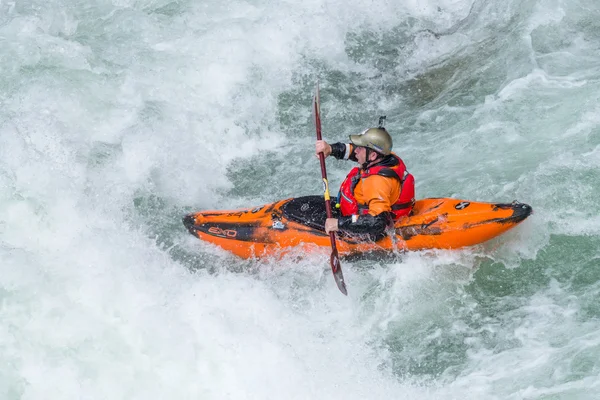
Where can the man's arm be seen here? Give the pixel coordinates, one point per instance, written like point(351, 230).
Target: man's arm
point(343, 151)
point(373, 225)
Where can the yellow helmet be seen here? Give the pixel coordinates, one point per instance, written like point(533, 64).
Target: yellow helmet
point(377, 139)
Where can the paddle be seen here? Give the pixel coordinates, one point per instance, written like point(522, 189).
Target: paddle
point(336, 268)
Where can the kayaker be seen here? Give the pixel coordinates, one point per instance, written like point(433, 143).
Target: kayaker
point(376, 193)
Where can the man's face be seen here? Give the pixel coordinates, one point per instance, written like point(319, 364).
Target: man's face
point(361, 155)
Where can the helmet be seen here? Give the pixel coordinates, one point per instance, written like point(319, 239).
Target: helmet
point(377, 139)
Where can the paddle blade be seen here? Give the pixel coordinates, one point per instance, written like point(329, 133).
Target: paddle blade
point(336, 268)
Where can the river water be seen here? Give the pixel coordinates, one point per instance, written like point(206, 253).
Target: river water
point(118, 118)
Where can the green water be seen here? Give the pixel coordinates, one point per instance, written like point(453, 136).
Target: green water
point(118, 118)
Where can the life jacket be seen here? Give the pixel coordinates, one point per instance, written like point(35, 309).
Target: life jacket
point(393, 167)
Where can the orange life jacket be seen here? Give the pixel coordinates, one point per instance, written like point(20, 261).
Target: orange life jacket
point(350, 206)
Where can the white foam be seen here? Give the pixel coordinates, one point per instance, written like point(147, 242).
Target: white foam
point(107, 103)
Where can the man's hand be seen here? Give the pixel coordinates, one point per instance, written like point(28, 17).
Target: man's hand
point(331, 225)
point(322, 147)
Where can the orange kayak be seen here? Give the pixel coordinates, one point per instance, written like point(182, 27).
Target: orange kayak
point(273, 229)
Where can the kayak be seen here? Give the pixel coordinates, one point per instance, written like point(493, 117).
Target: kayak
point(298, 223)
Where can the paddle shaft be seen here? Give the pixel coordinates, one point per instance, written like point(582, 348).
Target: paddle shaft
point(325, 182)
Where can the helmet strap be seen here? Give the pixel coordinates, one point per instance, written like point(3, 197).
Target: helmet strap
point(367, 161)
point(367, 155)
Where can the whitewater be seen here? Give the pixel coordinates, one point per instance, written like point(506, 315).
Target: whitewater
point(119, 117)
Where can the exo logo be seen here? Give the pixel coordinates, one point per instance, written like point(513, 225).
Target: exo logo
point(229, 233)
point(462, 205)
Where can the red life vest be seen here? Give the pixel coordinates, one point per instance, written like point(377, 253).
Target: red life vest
point(348, 203)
